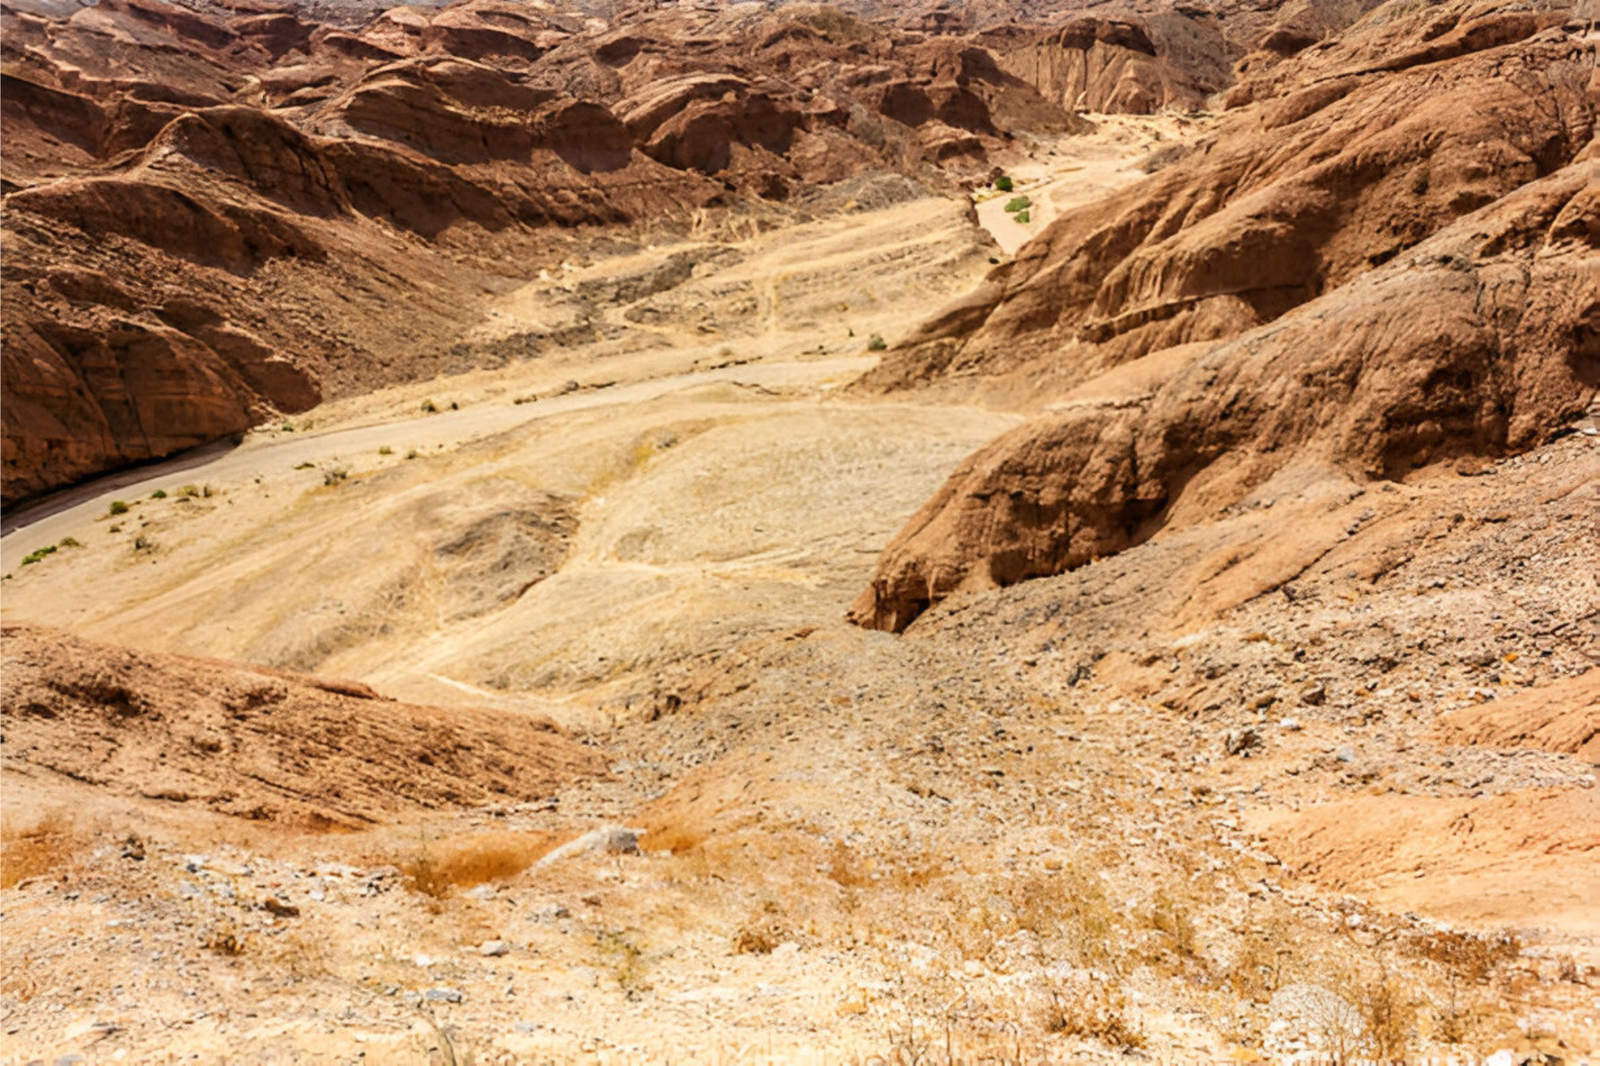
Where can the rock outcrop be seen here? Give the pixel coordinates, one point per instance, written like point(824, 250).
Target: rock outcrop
point(260, 744)
point(1099, 64)
point(1294, 197)
point(1481, 340)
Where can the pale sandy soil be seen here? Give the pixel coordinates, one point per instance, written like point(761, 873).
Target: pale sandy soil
point(1071, 174)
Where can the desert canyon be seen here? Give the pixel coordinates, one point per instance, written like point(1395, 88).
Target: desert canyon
point(905, 532)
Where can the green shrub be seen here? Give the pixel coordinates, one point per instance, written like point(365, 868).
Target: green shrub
point(118, 507)
point(385, 450)
point(37, 554)
point(1018, 203)
point(1003, 183)
point(304, 466)
point(287, 427)
point(69, 542)
point(877, 343)
point(159, 494)
point(1023, 218)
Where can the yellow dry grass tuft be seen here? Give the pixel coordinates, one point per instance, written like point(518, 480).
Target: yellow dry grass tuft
point(51, 845)
point(439, 868)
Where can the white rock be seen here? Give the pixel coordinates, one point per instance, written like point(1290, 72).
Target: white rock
point(611, 839)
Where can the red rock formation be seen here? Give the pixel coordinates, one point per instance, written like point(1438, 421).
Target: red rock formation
point(242, 160)
point(1480, 341)
point(1293, 198)
point(1095, 64)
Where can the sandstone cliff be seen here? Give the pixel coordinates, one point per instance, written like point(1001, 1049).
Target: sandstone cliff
point(1482, 340)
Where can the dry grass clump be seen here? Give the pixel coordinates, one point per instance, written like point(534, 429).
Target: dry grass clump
point(1097, 1013)
point(626, 961)
point(1256, 970)
point(849, 867)
point(758, 938)
point(1469, 956)
point(763, 933)
point(47, 847)
point(1071, 914)
point(1172, 918)
point(439, 869)
point(677, 839)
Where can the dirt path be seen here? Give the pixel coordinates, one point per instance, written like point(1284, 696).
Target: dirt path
point(47, 522)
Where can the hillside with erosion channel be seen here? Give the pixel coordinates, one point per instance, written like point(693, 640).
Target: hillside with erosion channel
point(1025, 531)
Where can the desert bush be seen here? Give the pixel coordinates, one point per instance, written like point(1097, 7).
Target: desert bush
point(836, 25)
point(1336, 1025)
point(38, 554)
point(159, 494)
point(1004, 183)
point(334, 474)
point(385, 450)
point(1018, 203)
point(1454, 1018)
point(117, 507)
point(304, 466)
point(69, 542)
point(877, 343)
point(429, 407)
point(1023, 217)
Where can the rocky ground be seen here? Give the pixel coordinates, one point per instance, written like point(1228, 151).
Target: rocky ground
point(1234, 699)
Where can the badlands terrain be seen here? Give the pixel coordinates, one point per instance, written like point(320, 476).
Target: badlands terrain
point(606, 533)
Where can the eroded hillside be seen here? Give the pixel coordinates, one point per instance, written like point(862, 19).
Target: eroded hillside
point(1228, 691)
